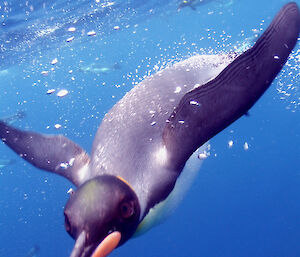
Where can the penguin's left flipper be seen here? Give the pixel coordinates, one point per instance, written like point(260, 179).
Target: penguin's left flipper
point(208, 109)
point(54, 153)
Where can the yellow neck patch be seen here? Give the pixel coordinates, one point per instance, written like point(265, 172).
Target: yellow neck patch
point(126, 182)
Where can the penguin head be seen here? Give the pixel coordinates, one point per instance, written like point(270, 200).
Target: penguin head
point(102, 213)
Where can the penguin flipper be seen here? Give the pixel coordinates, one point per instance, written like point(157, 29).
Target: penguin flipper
point(205, 111)
point(54, 153)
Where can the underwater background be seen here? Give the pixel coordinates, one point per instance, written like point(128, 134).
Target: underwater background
point(64, 64)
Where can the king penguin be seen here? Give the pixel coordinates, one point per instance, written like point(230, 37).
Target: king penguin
point(146, 140)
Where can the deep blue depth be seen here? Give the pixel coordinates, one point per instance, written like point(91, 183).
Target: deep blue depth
point(244, 203)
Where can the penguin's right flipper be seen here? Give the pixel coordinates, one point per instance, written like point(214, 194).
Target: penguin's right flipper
point(54, 153)
point(208, 109)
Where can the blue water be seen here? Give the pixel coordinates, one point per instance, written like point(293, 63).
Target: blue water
point(243, 203)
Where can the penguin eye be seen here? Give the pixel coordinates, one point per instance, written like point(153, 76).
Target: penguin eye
point(126, 209)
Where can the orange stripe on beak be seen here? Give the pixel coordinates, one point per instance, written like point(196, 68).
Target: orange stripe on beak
point(108, 244)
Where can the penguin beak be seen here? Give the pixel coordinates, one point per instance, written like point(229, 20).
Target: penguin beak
point(108, 244)
point(79, 245)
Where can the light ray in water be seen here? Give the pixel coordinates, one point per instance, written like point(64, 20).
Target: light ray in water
point(33, 252)
point(13, 118)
